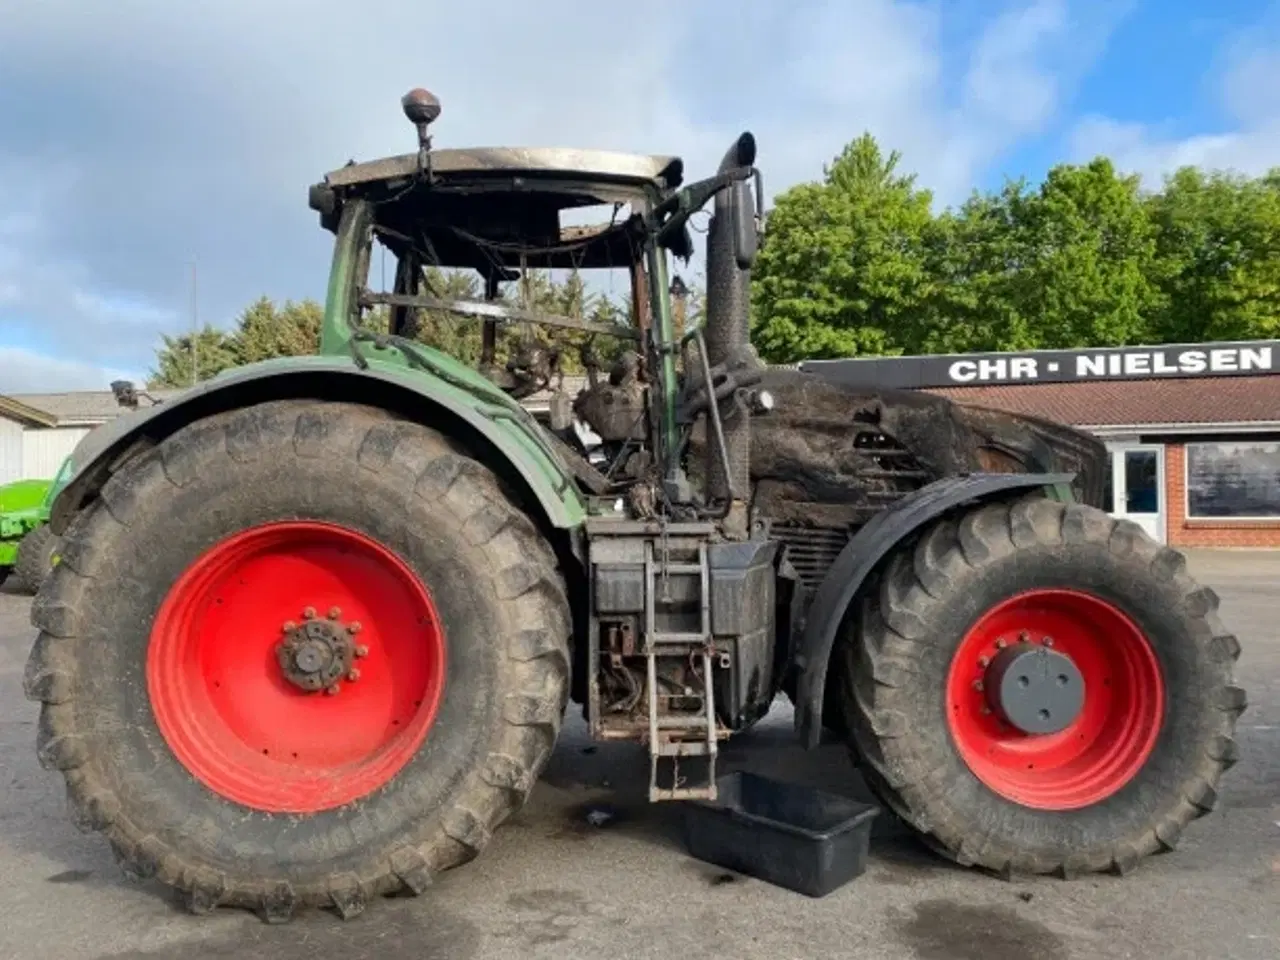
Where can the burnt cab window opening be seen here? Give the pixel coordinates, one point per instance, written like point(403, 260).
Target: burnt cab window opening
point(1233, 481)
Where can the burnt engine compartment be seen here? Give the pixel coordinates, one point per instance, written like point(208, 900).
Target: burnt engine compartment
point(831, 456)
point(823, 461)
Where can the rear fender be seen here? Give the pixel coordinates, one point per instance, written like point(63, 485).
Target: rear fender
point(864, 552)
point(504, 438)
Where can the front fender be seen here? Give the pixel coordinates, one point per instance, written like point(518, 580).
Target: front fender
point(864, 552)
point(501, 432)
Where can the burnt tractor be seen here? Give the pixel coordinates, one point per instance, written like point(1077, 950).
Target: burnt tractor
point(318, 620)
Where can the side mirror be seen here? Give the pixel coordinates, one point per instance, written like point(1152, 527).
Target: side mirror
point(745, 239)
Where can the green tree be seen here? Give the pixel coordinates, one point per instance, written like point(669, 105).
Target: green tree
point(540, 291)
point(264, 331)
point(178, 365)
point(1090, 274)
point(977, 258)
point(845, 267)
point(450, 333)
point(1219, 249)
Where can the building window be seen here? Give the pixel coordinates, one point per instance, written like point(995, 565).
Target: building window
point(1233, 481)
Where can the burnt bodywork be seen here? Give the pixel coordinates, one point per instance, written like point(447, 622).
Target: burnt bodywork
point(831, 456)
point(839, 475)
point(833, 460)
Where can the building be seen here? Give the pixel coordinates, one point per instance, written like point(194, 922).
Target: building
point(1193, 430)
point(38, 430)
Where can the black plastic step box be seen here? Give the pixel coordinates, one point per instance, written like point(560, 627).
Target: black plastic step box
point(796, 837)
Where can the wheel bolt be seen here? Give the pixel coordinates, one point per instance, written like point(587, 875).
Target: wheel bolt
point(983, 661)
point(986, 711)
point(334, 613)
point(362, 651)
point(289, 626)
point(309, 613)
point(1002, 643)
point(333, 689)
point(977, 685)
point(354, 627)
point(1048, 641)
point(353, 674)
point(1023, 637)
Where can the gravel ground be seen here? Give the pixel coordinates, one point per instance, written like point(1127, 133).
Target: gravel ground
point(552, 885)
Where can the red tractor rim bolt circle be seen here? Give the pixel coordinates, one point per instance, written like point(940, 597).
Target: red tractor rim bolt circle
point(1115, 731)
point(232, 717)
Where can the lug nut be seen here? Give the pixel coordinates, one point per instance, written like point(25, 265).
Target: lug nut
point(362, 651)
point(986, 711)
point(289, 626)
point(353, 674)
point(309, 613)
point(334, 613)
point(977, 685)
point(354, 627)
point(984, 661)
point(332, 689)
point(1048, 641)
point(1002, 643)
point(1024, 636)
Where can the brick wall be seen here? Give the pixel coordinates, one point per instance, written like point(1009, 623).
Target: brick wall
point(1182, 532)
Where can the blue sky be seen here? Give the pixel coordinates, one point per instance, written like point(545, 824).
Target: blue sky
point(137, 136)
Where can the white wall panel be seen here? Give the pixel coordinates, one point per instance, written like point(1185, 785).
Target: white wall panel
point(43, 450)
point(10, 450)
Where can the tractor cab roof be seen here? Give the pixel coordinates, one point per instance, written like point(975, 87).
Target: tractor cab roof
point(611, 172)
point(503, 206)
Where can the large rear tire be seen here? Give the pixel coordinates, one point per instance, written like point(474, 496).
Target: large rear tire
point(1146, 743)
point(36, 556)
point(189, 694)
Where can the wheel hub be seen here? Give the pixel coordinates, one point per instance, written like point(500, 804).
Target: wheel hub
point(317, 654)
point(1034, 688)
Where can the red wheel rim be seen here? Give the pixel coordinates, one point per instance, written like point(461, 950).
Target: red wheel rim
point(1108, 741)
point(223, 702)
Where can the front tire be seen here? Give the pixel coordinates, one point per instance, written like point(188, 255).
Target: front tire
point(1114, 781)
point(166, 702)
point(37, 552)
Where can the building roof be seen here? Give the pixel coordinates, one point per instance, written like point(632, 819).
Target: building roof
point(84, 407)
point(14, 408)
point(1146, 403)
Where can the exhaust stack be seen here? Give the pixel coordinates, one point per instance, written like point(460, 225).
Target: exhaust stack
point(727, 338)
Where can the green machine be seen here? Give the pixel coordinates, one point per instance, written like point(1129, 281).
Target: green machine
point(28, 547)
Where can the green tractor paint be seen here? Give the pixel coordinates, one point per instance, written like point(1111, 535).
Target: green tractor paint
point(321, 619)
point(28, 548)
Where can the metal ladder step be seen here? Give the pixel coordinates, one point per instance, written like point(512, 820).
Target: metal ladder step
point(685, 793)
point(678, 640)
point(682, 568)
point(682, 748)
point(682, 723)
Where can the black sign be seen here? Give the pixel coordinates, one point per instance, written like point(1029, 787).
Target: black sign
point(1248, 358)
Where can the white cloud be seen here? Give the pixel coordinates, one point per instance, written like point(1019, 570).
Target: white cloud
point(1249, 144)
point(145, 137)
point(26, 371)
